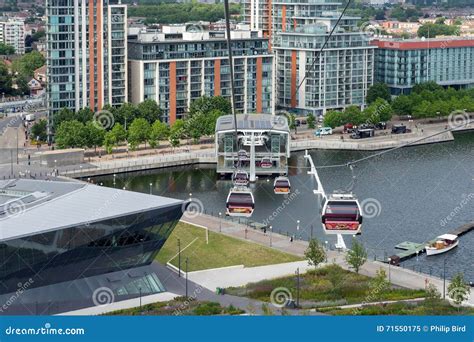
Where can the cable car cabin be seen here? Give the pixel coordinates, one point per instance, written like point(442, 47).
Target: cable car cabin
point(281, 185)
point(240, 202)
point(341, 214)
point(240, 178)
point(266, 163)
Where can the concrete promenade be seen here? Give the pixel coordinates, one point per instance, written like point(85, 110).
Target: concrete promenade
point(397, 275)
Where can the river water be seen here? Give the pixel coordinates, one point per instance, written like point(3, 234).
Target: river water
point(412, 194)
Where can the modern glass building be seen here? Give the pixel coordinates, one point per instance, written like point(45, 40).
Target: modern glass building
point(271, 140)
point(86, 53)
point(54, 232)
point(403, 63)
point(181, 63)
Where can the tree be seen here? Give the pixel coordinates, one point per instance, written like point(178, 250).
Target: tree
point(353, 115)
point(138, 132)
point(28, 63)
point(356, 256)
point(109, 142)
point(22, 84)
point(430, 86)
point(159, 131)
point(458, 290)
point(38, 130)
point(402, 105)
point(178, 129)
point(334, 119)
point(315, 253)
point(94, 134)
point(84, 115)
point(149, 110)
point(119, 132)
point(291, 121)
point(6, 49)
point(64, 114)
point(6, 80)
point(380, 110)
point(205, 104)
point(71, 134)
point(126, 113)
point(311, 121)
point(378, 90)
point(379, 284)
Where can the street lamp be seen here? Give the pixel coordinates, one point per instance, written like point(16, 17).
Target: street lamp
point(186, 277)
point(271, 229)
point(114, 179)
point(389, 270)
point(298, 287)
point(297, 225)
point(327, 249)
point(220, 222)
point(444, 277)
point(151, 184)
point(179, 258)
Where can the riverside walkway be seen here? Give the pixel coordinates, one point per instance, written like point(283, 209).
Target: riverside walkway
point(397, 275)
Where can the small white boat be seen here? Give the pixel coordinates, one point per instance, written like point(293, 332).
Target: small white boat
point(443, 243)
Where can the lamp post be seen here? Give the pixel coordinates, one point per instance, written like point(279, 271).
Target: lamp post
point(389, 270)
point(298, 225)
point(151, 184)
point(114, 179)
point(444, 277)
point(179, 258)
point(327, 249)
point(298, 287)
point(271, 229)
point(186, 277)
point(140, 291)
point(220, 222)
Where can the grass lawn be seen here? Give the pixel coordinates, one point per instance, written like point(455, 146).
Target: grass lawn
point(424, 308)
point(179, 306)
point(221, 251)
point(324, 287)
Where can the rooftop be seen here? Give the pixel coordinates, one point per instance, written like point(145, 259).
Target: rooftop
point(256, 122)
point(30, 207)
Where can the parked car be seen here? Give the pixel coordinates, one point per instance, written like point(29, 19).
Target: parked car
point(399, 129)
point(381, 125)
point(323, 131)
point(405, 117)
point(366, 126)
point(363, 133)
point(349, 128)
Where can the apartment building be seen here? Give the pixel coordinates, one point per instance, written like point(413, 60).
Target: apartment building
point(12, 33)
point(86, 53)
point(179, 64)
point(403, 63)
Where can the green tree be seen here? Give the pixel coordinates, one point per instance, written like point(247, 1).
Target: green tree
point(205, 105)
point(94, 134)
point(38, 130)
point(353, 115)
point(378, 90)
point(71, 134)
point(22, 84)
point(311, 121)
point(126, 113)
point(315, 253)
point(28, 63)
point(402, 105)
point(379, 284)
point(159, 131)
point(84, 115)
point(6, 49)
point(150, 111)
point(138, 132)
point(119, 132)
point(64, 114)
point(178, 129)
point(357, 255)
point(110, 142)
point(6, 80)
point(458, 290)
point(430, 86)
point(334, 119)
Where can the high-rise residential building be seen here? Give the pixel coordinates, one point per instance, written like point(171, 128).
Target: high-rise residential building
point(308, 81)
point(258, 14)
point(86, 53)
point(12, 33)
point(403, 63)
point(181, 63)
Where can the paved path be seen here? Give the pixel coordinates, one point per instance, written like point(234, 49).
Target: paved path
point(398, 276)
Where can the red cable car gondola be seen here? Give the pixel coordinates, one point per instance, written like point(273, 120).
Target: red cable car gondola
point(342, 214)
point(240, 202)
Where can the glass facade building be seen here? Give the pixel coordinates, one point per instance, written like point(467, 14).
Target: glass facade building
point(86, 53)
point(403, 63)
point(48, 256)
